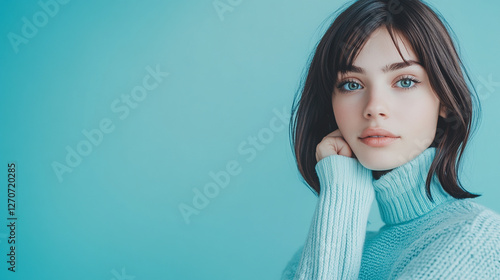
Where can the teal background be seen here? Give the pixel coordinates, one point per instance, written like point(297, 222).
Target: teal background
point(116, 215)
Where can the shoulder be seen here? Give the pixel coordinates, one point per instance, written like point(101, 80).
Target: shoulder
point(464, 243)
point(472, 215)
point(470, 224)
point(486, 224)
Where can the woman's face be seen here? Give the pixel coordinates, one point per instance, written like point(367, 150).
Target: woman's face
point(397, 99)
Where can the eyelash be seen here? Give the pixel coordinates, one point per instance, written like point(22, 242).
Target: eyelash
point(409, 78)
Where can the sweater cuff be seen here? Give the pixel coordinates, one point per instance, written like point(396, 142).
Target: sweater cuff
point(341, 171)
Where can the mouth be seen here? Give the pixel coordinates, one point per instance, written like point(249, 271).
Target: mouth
point(376, 133)
point(379, 136)
point(378, 140)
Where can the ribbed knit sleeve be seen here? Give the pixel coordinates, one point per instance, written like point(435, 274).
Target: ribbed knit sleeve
point(334, 244)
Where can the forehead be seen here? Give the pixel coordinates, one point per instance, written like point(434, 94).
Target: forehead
point(390, 67)
point(380, 52)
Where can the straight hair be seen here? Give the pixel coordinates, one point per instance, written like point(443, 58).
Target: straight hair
point(312, 115)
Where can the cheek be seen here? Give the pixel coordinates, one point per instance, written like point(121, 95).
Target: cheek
point(339, 113)
point(421, 120)
point(345, 117)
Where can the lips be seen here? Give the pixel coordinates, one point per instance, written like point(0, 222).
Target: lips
point(377, 132)
point(378, 141)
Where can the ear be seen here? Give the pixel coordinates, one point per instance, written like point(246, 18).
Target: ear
point(443, 112)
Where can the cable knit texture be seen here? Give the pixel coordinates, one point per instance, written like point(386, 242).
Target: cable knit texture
point(446, 238)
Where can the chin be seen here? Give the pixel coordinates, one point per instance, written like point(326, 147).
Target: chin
point(378, 166)
point(378, 162)
point(384, 158)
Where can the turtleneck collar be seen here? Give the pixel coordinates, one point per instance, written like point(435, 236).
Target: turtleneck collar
point(401, 194)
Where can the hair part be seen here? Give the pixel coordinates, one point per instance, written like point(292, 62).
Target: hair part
point(312, 115)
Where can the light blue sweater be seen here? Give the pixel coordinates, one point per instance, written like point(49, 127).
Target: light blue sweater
point(445, 239)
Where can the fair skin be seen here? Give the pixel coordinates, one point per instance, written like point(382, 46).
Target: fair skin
point(400, 101)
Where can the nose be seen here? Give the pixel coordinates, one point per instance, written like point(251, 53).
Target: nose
point(376, 106)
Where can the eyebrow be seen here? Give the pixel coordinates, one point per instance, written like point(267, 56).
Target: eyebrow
point(387, 68)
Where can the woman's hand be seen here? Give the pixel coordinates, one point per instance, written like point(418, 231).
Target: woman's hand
point(333, 144)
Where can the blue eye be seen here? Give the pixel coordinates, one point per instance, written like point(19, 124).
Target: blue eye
point(349, 86)
point(407, 83)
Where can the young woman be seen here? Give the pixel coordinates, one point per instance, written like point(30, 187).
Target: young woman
point(385, 112)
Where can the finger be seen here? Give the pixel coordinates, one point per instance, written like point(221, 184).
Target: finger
point(345, 151)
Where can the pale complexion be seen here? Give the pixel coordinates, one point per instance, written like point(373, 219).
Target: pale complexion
point(380, 96)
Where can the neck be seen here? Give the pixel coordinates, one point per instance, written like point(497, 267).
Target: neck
point(377, 173)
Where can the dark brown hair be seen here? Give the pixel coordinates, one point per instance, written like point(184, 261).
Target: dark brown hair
point(312, 115)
